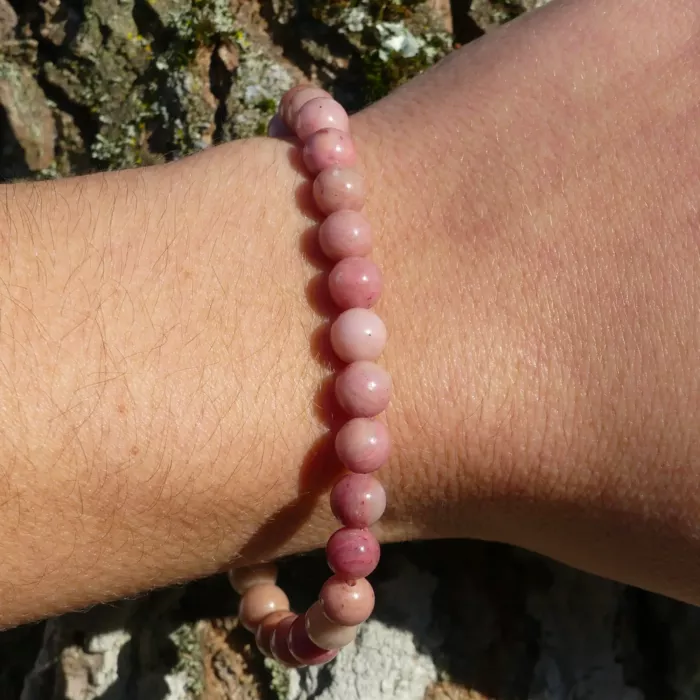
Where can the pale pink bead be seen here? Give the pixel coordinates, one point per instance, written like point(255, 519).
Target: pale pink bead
point(345, 234)
point(358, 334)
point(363, 445)
point(363, 389)
point(347, 602)
point(355, 283)
point(352, 553)
point(325, 633)
point(258, 602)
point(295, 99)
point(248, 576)
point(358, 500)
point(327, 148)
point(279, 642)
point(320, 113)
point(339, 188)
point(263, 635)
point(303, 649)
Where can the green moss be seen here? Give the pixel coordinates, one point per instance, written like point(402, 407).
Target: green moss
point(279, 678)
point(189, 663)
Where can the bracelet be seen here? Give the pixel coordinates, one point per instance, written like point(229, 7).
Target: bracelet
point(362, 389)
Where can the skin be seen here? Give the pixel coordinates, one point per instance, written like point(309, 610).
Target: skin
point(165, 367)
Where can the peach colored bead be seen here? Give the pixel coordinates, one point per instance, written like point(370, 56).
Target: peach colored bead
point(358, 334)
point(352, 553)
point(303, 649)
point(363, 389)
point(355, 283)
point(279, 642)
point(289, 109)
point(325, 633)
point(327, 148)
point(339, 188)
point(258, 602)
point(345, 234)
point(320, 113)
point(265, 629)
point(358, 500)
point(347, 602)
point(363, 445)
point(248, 576)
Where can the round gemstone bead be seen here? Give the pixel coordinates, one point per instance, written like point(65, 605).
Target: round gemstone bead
point(295, 99)
point(352, 553)
point(358, 500)
point(345, 234)
point(248, 576)
point(363, 445)
point(258, 602)
point(363, 389)
point(277, 129)
point(265, 629)
point(339, 188)
point(279, 642)
point(355, 283)
point(320, 113)
point(303, 649)
point(347, 602)
point(325, 633)
point(358, 334)
point(327, 148)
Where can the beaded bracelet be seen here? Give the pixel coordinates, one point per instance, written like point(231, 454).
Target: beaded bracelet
point(362, 389)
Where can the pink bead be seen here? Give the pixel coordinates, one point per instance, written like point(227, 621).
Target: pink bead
point(329, 147)
point(339, 188)
point(246, 577)
point(347, 602)
point(358, 334)
point(325, 633)
point(277, 129)
point(363, 445)
point(345, 234)
point(320, 113)
point(355, 283)
point(295, 99)
point(358, 500)
point(265, 629)
point(258, 602)
point(352, 553)
point(303, 649)
point(279, 642)
point(363, 389)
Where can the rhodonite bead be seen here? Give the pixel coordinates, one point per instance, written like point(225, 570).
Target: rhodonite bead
point(325, 633)
point(363, 445)
point(320, 113)
point(358, 334)
point(363, 389)
point(279, 642)
point(265, 629)
point(248, 576)
point(290, 106)
point(347, 602)
point(327, 148)
point(258, 602)
point(339, 188)
point(355, 283)
point(352, 553)
point(277, 129)
point(345, 234)
point(358, 500)
point(303, 649)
